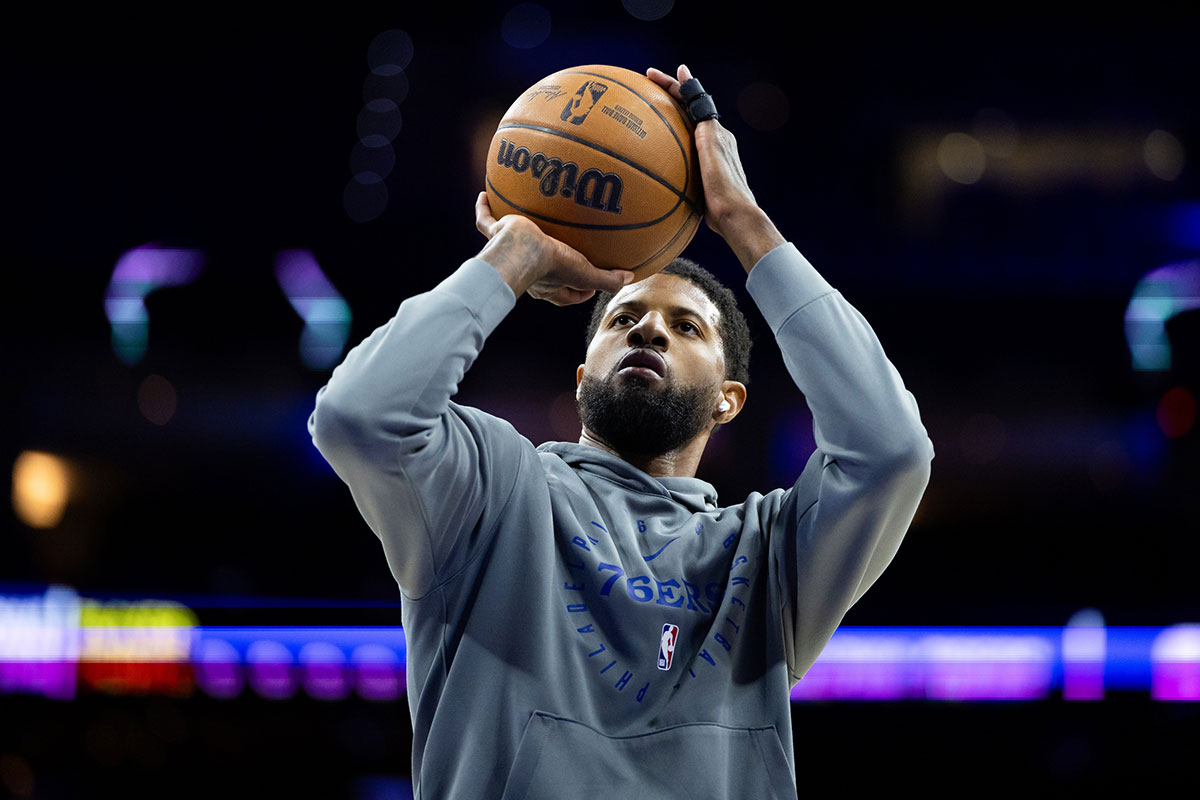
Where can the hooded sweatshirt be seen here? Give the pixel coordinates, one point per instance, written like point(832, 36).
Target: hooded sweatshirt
point(579, 628)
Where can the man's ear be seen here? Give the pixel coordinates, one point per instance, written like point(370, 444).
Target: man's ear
point(578, 379)
point(733, 395)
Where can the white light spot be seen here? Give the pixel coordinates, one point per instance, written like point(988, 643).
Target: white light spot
point(1164, 155)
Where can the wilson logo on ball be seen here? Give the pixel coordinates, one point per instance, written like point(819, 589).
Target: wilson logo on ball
point(592, 187)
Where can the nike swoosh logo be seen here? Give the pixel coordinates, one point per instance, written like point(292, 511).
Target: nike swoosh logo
point(656, 554)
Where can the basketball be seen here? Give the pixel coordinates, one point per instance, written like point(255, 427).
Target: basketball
point(603, 159)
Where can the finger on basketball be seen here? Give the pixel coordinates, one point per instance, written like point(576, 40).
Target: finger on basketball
point(483, 215)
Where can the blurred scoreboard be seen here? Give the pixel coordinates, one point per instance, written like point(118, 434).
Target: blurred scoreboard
point(58, 644)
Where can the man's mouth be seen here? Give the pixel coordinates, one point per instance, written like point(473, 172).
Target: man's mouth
point(643, 362)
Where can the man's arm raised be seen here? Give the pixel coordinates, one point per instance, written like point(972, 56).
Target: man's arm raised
point(838, 527)
point(729, 206)
point(425, 472)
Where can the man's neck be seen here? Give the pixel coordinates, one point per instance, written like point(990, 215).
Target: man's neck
point(681, 463)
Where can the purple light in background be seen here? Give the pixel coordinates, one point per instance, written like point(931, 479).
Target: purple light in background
point(1158, 296)
point(326, 315)
point(379, 675)
point(270, 668)
point(875, 664)
point(323, 666)
point(137, 273)
point(218, 668)
point(1084, 651)
point(1175, 664)
point(39, 643)
point(985, 667)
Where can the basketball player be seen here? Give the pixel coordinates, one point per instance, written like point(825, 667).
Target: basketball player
point(584, 620)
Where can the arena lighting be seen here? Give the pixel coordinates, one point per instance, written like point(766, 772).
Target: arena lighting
point(325, 313)
point(1161, 294)
point(41, 486)
point(57, 643)
point(137, 273)
point(365, 196)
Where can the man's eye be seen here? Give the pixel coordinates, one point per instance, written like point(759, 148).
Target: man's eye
point(688, 327)
point(621, 319)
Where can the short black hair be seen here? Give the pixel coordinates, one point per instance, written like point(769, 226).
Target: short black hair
point(732, 327)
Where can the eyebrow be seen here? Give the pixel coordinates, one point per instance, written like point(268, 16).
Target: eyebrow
point(674, 311)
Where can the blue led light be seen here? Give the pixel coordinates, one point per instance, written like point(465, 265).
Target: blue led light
point(1159, 295)
point(325, 313)
point(137, 273)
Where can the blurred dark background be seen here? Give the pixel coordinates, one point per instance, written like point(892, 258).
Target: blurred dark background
point(987, 188)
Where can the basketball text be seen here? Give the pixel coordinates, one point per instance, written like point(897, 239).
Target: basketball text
point(591, 187)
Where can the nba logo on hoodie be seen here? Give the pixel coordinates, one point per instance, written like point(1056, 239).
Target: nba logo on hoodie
point(666, 647)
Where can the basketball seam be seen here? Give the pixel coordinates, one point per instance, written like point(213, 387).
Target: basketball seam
point(664, 248)
point(687, 172)
point(573, 138)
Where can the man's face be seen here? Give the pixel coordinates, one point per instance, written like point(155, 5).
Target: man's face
point(654, 371)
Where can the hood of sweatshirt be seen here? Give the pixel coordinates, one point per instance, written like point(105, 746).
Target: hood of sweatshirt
point(692, 493)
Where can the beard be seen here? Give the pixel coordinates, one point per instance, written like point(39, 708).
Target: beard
point(636, 419)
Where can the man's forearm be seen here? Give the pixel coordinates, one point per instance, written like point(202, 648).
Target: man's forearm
point(750, 233)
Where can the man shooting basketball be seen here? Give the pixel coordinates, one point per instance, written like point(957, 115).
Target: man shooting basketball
point(583, 618)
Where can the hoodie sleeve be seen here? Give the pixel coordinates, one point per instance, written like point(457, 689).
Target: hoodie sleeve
point(838, 527)
point(424, 472)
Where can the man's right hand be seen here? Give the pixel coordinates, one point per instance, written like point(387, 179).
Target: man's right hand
point(530, 261)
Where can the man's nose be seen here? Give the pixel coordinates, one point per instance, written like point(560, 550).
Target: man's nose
point(650, 330)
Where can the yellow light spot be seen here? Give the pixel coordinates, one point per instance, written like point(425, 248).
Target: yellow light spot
point(961, 158)
point(40, 488)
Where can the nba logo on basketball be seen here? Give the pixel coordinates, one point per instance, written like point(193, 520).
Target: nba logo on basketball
point(666, 647)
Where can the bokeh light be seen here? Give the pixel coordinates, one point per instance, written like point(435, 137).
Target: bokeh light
point(325, 313)
point(218, 668)
point(648, 10)
point(763, 106)
point(364, 201)
point(390, 52)
point(1164, 155)
point(961, 158)
point(16, 775)
point(365, 196)
point(379, 122)
point(1176, 412)
point(157, 399)
point(379, 672)
point(324, 668)
point(1158, 296)
point(272, 673)
point(1084, 650)
point(137, 273)
point(525, 26)
point(41, 486)
point(377, 161)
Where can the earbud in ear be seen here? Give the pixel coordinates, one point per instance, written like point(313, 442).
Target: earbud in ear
point(724, 406)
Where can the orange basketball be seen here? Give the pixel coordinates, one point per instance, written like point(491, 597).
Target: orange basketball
point(601, 158)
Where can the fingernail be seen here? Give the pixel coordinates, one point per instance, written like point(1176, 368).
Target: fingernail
point(627, 278)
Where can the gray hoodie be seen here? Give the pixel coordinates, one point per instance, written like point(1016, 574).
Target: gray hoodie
point(577, 628)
